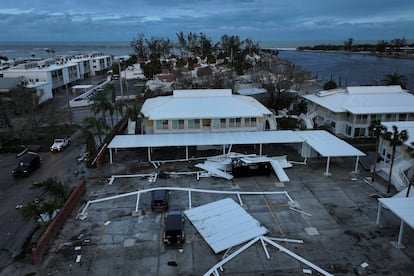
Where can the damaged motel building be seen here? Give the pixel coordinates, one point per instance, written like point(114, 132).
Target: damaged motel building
point(216, 117)
point(190, 121)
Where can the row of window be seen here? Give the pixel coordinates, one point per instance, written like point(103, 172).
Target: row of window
point(364, 119)
point(358, 131)
point(216, 123)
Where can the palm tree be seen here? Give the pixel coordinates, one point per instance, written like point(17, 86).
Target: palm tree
point(411, 183)
point(119, 107)
point(396, 138)
point(53, 197)
point(396, 79)
point(90, 141)
point(56, 190)
point(100, 104)
point(377, 130)
point(99, 124)
point(111, 87)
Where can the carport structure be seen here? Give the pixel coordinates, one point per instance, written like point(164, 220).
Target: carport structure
point(327, 145)
point(311, 141)
point(202, 139)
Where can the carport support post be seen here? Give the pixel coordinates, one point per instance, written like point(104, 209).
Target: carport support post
point(137, 204)
point(400, 235)
point(110, 156)
point(149, 154)
point(260, 149)
point(356, 165)
point(379, 212)
point(328, 160)
point(186, 152)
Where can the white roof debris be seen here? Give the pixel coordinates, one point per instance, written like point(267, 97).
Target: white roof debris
point(224, 224)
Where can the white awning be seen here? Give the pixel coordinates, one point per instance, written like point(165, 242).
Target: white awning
point(202, 139)
point(328, 145)
point(224, 224)
point(402, 208)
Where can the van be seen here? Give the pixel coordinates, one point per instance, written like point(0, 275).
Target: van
point(159, 201)
point(27, 165)
point(174, 228)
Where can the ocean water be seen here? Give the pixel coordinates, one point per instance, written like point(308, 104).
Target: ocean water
point(344, 69)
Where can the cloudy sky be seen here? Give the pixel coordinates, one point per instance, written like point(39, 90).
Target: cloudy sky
point(260, 20)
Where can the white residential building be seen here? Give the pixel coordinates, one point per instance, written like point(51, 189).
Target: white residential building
point(47, 75)
point(57, 74)
point(205, 110)
point(350, 111)
point(403, 162)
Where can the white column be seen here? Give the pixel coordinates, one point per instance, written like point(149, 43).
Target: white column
point(400, 235)
point(379, 212)
point(328, 160)
point(356, 165)
point(110, 156)
point(149, 154)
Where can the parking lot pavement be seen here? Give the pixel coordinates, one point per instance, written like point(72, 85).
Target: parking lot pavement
point(337, 226)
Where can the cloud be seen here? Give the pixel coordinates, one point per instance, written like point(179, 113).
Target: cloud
point(256, 19)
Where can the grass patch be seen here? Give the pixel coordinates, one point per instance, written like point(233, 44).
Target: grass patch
point(40, 141)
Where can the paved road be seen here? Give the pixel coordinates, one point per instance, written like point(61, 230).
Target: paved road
point(14, 191)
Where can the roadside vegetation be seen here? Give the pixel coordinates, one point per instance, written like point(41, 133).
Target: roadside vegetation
point(394, 48)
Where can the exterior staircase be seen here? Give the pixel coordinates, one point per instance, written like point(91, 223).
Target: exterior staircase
point(399, 177)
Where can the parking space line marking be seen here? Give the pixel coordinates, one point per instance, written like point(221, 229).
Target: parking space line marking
point(271, 211)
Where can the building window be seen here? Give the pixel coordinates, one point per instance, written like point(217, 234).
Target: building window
point(238, 122)
point(161, 124)
point(361, 119)
point(410, 117)
point(348, 130)
point(390, 117)
point(402, 117)
point(215, 123)
point(223, 123)
point(249, 122)
point(359, 132)
point(196, 123)
point(178, 124)
point(232, 122)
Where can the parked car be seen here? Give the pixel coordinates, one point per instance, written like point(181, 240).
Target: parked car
point(27, 165)
point(174, 228)
point(159, 201)
point(241, 169)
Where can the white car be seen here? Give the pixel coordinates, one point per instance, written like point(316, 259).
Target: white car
point(59, 144)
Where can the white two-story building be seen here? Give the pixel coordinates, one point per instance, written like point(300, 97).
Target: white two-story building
point(205, 110)
point(349, 111)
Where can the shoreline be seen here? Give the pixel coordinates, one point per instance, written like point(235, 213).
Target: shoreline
point(384, 55)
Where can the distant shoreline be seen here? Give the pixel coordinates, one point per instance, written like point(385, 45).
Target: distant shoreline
point(377, 54)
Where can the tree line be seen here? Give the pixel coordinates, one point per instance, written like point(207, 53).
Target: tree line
point(382, 46)
point(187, 47)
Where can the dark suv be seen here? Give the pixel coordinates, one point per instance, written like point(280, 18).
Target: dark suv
point(27, 165)
point(174, 228)
point(159, 201)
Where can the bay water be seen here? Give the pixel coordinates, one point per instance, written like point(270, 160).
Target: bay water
point(345, 69)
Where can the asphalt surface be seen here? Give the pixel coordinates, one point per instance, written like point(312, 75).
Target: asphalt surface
point(21, 190)
point(337, 227)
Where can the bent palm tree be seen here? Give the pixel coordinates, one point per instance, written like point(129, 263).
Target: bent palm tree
point(377, 130)
point(396, 138)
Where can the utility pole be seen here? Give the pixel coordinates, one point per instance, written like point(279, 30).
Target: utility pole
point(69, 108)
point(120, 80)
